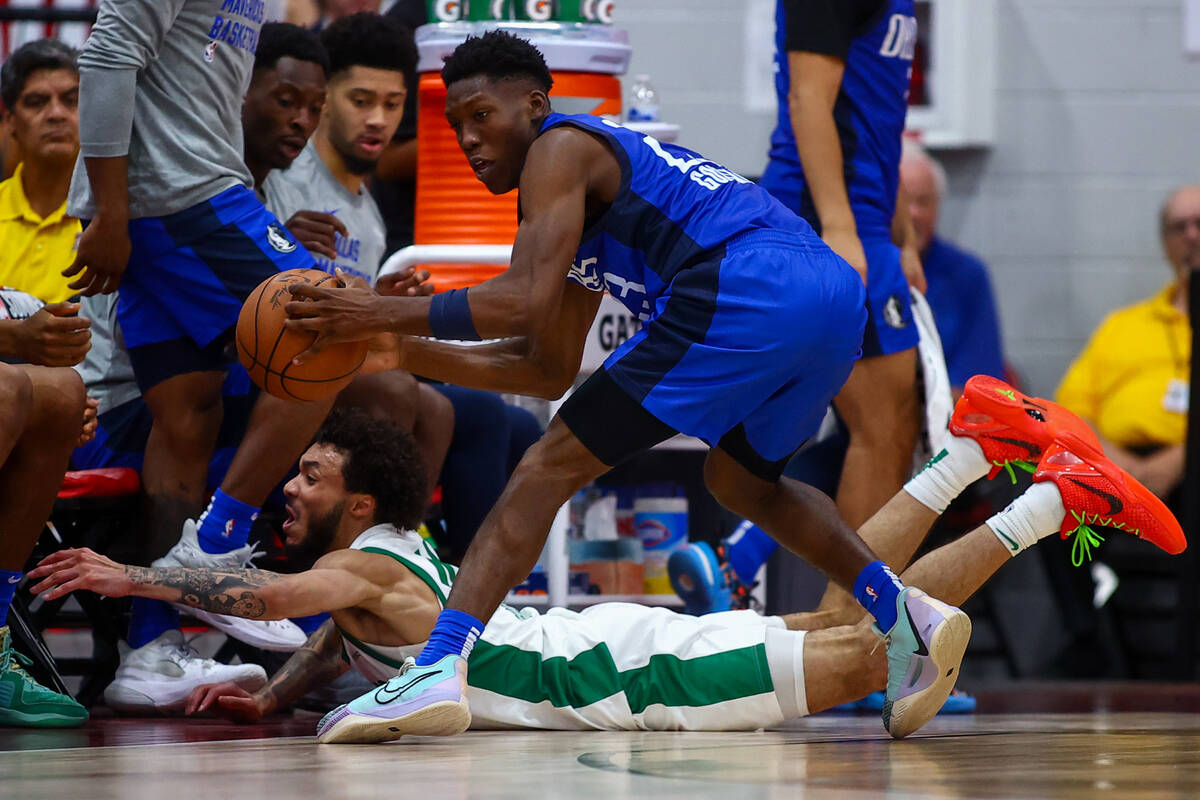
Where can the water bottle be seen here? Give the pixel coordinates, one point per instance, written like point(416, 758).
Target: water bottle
point(643, 100)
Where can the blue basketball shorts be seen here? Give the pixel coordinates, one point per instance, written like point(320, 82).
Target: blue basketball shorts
point(188, 276)
point(744, 351)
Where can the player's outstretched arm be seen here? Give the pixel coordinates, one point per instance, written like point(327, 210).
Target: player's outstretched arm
point(248, 593)
point(523, 301)
point(315, 664)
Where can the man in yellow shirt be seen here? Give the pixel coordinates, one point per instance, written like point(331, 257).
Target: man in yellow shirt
point(1131, 380)
point(39, 85)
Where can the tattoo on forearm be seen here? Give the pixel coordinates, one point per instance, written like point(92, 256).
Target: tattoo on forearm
point(313, 665)
point(230, 592)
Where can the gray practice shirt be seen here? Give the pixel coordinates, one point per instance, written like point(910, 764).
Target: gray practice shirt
point(105, 370)
point(162, 81)
point(308, 185)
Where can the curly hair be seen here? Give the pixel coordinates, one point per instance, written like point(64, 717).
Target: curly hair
point(370, 40)
point(500, 56)
point(381, 460)
point(283, 40)
point(28, 59)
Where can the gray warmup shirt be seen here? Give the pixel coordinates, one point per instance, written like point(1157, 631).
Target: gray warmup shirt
point(308, 185)
point(162, 82)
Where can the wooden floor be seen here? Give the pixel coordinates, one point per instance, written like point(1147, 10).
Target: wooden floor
point(1094, 754)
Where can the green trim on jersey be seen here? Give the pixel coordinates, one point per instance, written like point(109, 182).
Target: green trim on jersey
point(416, 570)
point(370, 651)
point(592, 676)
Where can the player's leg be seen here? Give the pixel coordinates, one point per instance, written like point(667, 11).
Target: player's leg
point(45, 407)
point(579, 445)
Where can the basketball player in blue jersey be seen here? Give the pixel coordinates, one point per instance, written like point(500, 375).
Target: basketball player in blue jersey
point(751, 325)
point(842, 75)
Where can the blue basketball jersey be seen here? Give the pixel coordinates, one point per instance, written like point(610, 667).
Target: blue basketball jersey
point(673, 209)
point(869, 113)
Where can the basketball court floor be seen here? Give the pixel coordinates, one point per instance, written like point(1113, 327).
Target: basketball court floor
point(1028, 741)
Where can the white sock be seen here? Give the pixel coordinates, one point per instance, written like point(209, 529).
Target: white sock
point(959, 464)
point(1036, 514)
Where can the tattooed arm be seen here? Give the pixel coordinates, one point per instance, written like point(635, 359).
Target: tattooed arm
point(315, 664)
point(249, 593)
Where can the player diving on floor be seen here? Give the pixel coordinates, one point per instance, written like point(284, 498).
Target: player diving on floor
point(619, 666)
point(751, 326)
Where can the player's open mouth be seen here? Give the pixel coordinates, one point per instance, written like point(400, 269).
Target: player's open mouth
point(480, 166)
point(291, 145)
point(370, 144)
point(291, 518)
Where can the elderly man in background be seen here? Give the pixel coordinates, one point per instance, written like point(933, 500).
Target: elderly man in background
point(959, 289)
point(1131, 380)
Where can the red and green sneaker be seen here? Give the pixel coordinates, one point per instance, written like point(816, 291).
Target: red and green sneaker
point(1099, 494)
point(1012, 428)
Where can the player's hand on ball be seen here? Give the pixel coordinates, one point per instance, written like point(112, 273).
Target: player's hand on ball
point(352, 313)
point(407, 282)
point(316, 231)
point(101, 258)
point(227, 700)
point(80, 568)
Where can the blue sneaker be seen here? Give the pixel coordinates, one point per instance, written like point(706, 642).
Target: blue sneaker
point(420, 701)
point(699, 579)
point(924, 648)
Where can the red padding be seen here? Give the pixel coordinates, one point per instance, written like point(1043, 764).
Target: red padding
point(108, 482)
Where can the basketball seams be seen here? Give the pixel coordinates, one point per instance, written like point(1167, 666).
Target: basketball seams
point(259, 363)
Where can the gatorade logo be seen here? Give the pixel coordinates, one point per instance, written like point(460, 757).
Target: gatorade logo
point(598, 11)
point(539, 10)
point(448, 10)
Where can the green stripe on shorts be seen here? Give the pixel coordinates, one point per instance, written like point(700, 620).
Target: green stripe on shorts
point(591, 676)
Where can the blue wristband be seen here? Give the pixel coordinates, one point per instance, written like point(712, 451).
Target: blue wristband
point(450, 316)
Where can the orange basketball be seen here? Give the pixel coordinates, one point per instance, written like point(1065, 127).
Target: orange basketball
point(266, 347)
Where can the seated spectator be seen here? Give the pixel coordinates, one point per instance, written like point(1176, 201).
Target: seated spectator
point(41, 419)
point(1131, 380)
point(959, 290)
point(39, 84)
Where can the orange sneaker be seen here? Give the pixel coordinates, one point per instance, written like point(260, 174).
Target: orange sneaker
point(1099, 494)
point(1012, 428)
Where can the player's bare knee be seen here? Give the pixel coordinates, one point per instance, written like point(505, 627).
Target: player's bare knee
point(16, 395)
point(734, 487)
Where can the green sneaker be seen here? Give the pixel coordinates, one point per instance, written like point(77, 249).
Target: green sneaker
point(25, 703)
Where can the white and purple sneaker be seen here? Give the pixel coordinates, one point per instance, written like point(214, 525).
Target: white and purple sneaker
point(420, 701)
point(924, 649)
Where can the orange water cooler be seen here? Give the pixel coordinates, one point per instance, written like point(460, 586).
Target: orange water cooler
point(452, 206)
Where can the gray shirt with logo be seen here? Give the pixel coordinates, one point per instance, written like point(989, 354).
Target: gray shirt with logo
point(162, 81)
point(308, 185)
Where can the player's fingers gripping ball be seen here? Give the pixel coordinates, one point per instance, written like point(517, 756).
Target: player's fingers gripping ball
point(266, 347)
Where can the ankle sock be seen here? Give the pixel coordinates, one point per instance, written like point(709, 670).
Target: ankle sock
point(455, 633)
point(1036, 514)
point(8, 587)
point(225, 524)
point(149, 619)
point(747, 549)
point(876, 590)
point(959, 463)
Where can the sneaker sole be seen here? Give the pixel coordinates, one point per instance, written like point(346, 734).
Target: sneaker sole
point(19, 719)
point(127, 700)
point(228, 626)
point(444, 718)
point(946, 649)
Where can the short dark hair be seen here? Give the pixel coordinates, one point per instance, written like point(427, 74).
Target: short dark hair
point(283, 40)
point(28, 59)
point(381, 460)
point(370, 40)
point(500, 56)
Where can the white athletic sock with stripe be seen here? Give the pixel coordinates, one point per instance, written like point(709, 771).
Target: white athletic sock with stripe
point(1036, 514)
point(959, 464)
